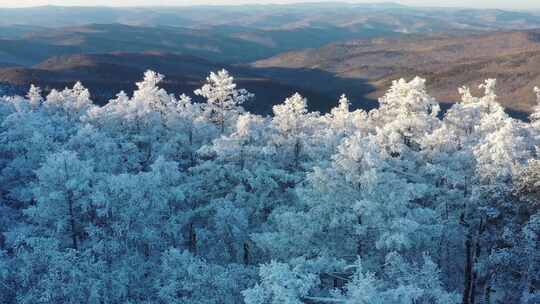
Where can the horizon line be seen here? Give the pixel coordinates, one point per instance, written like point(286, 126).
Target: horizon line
point(270, 4)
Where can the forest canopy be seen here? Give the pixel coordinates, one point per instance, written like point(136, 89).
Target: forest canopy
point(153, 198)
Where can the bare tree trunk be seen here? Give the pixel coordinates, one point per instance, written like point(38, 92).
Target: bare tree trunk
point(359, 246)
point(192, 239)
point(477, 253)
point(72, 223)
point(473, 251)
point(246, 253)
point(242, 158)
point(222, 119)
point(473, 286)
point(468, 270)
point(191, 154)
point(230, 244)
point(297, 150)
point(487, 293)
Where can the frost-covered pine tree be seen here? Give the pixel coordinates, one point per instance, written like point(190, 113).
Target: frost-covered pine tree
point(223, 99)
point(406, 114)
point(34, 96)
point(155, 198)
point(62, 193)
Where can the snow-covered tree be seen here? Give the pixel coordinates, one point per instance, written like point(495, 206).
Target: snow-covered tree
point(280, 284)
point(63, 193)
point(34, 96)
point(294, 127)
point(407, 113)
point(223, 99)
point(72, 102)
point(155, 198)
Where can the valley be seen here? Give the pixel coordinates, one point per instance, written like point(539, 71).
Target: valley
point(317, 49)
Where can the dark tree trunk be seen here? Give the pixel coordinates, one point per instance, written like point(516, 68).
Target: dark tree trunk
point(473, 286)
point(192, 239)
point(468, 270)
point(297, 150)
point(72, 222)
point(359, 243)
point(487, 293)
point(246, 254)
point(191, 154)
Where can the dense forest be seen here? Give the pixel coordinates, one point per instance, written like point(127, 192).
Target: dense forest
point(153, 198)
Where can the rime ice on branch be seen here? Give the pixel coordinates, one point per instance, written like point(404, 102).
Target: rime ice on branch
point(155, 198)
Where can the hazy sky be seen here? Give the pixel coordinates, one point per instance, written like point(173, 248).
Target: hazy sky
point(506, 4)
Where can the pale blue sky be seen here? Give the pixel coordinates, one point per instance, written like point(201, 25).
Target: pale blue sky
point(506, 4)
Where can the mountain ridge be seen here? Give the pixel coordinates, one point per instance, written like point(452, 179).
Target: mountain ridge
point(447, 62)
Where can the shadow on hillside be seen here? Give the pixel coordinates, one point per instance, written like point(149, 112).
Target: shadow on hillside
point(270, 86)
point(329, 87)
point(521, 115)
point(326, 84)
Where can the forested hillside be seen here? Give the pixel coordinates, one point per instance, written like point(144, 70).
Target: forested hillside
point(448, 61)
point(153, 198)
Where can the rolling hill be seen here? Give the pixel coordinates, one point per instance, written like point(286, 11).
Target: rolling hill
point(107, 74)
point(319, 49)
point(34, 47)
point(232, 34)
point(392, 16)
point(238, 45)
point(446, 61)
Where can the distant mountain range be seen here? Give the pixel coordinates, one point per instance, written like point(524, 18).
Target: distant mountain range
point(232, 34)
point(393, 16)
point(319, 49)
point(241, 45)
